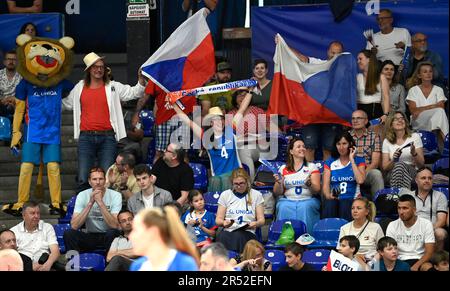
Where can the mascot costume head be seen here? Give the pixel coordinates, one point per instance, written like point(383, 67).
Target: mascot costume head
point(44, 64)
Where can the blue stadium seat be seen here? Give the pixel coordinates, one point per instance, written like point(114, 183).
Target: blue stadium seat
point(200, 176)
point(147, 120)
point(211, 199)
point(430, 146)
point(320, 164)
point(317, 258)
point(70, 209)
point(232, 254)
point(5, 128)
point(59, 230)
point(386, 202)
point(441, 166)
point(275, 231)
point(445, 152)
point(87, 262)
point(276, 257)
point(443, 190)
point(326, 233)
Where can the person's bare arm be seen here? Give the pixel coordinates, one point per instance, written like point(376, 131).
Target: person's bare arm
point(78, 219)
point(441, 219)
point(375, 163)
point(415, 110)
point(196, 129)
point(244, 105)
point(298, 54)
point(220, 217)
point(183, 198)
point(326, 184)
point(36, 8)
point(385, 91)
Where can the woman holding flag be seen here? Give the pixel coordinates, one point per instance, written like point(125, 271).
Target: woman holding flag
point(219, 141)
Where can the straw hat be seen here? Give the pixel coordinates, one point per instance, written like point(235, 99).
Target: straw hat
point(90, 59)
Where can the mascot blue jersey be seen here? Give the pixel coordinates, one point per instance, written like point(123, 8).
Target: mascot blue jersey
point(43, 111)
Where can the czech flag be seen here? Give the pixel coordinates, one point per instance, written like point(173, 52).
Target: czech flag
point(185, 60)
point(313, 93)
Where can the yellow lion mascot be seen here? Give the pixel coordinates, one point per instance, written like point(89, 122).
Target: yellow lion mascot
point(44, 64)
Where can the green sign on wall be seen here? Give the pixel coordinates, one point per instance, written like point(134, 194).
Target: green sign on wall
point(137, 1)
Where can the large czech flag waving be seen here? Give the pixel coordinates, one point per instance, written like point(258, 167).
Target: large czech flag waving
point(313, 93)
point(185, 60)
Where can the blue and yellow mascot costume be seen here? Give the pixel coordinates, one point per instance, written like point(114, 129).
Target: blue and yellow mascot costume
point(44, 64)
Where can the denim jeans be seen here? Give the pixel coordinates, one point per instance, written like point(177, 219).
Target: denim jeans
point(102, 148)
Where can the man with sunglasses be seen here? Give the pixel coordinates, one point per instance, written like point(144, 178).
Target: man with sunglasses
point(390, 42)
point(97, 209)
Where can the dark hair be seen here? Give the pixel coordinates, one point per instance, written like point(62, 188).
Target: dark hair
point(290, 159)
point(438, 257)
point(384, 242)
point(395, 77)
point(407, 198)
point(23, 27)
point(11, 52)
point(373, 73)
point(29, 204)
point(336, 42)
point(295, 248)
point(348, 137)
point(176, 205)
point(142, 169)
point(128, 159)
point(87, 75)
point(217, 250)
point(423, 169)
point(386, 10)
point(353, 242)
point(191, 196)
point(124, 211)
point(234, 98)
point(96, 169)
point(259, 61)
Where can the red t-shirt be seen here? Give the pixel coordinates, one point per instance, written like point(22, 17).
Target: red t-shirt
point(94, 109)
point(164, 108)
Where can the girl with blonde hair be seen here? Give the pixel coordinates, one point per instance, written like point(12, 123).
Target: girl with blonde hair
point(160, 237)
point(240, 212)
point(252, 258)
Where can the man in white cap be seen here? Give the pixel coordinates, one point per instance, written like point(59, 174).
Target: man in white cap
point(97, 115)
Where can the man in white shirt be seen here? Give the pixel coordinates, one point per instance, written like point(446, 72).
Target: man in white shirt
point(431, 205)
point(414, 235)
point(390, 42)
point(36, 239)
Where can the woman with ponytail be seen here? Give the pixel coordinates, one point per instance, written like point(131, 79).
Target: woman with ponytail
point(363, 227)
point(160, 237)
point(373, 87)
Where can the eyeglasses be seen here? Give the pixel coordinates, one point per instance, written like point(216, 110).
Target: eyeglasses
point(420, 40)
point(398, 119)
point(358, 118)
point(98, 67)
point(168, 151)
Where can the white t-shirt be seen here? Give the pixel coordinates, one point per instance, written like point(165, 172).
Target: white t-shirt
point(238, 209)
point(411, 241)
point(416, 95)
point(362, 97)
point(406, 156)
point(34, 244)
point(148, 201)
point(316, 61)
point(386, 44)
point(294, 182)
point(368, 239)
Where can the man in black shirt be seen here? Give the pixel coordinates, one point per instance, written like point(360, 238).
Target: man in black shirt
point(294, 253)
point(173, 174)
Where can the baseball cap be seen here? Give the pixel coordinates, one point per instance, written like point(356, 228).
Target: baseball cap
point(223, 66)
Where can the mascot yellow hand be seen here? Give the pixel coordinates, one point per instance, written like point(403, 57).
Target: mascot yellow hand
point(18, 117)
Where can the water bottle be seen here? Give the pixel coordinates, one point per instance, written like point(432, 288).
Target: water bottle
point(375, 121)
